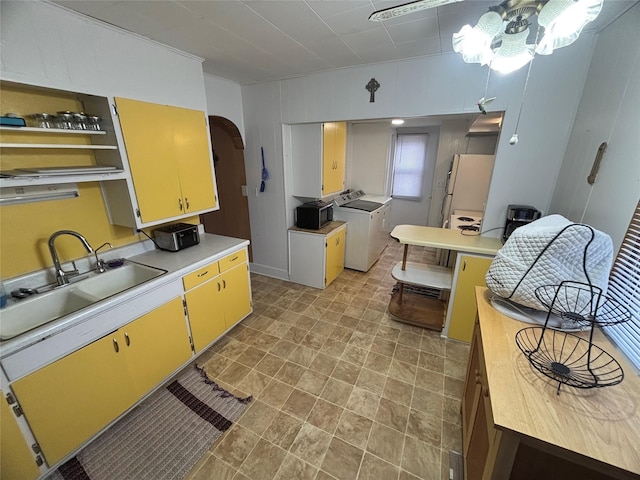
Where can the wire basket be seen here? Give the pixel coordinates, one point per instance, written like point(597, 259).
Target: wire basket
point(581, 304)
point(565, 357)
point(568, 358)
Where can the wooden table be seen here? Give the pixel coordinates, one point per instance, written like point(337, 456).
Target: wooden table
point(428, 309)
point(515, 425)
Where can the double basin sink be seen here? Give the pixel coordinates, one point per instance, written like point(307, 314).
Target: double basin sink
point(83, 291)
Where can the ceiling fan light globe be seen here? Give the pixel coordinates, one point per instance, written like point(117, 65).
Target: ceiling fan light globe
point(563, 21)
point(514, 53)
point(472, 45)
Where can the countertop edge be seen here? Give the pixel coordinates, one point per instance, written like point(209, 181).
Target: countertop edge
point(211, 248)
point(512, 381)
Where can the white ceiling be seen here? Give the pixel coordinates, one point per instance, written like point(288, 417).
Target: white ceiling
point(261, 40)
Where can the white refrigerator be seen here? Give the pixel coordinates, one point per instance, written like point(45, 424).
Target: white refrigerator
point(467, 184)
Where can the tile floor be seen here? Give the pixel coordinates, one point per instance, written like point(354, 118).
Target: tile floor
point(341, 391)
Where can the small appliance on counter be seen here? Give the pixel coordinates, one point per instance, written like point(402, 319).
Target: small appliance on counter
point(314, 215)
point(176, 237)
point(517, 216)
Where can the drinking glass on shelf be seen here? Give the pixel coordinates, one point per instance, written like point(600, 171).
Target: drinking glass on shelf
point(94, 123)
point(80, 121)
point(42, 120)
point(65, 120)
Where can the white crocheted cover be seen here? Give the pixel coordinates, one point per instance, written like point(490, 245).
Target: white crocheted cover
point(521, 266)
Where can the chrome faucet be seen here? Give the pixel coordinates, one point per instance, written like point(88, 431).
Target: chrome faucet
point(100, 264)
point(62, 276)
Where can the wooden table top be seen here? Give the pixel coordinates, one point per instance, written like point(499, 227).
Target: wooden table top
point(446, 238)
point(600, 423)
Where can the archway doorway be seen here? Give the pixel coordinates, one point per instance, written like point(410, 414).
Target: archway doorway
point(232, 219)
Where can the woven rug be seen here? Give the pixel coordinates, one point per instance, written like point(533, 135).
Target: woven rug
point(163, 437)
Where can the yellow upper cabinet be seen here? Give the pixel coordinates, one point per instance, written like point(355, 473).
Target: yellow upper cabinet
point(170, 161)
point(318, 152)
point(194, 160)
point(333, 159)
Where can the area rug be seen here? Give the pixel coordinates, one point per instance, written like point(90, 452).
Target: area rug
point(163, 437)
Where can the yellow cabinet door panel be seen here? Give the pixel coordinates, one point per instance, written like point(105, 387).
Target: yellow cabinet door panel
point(237, 296)
point(16, 458)
point(471, 274)
point(156, 344)
point(328, 154)
point(205, 305)
point(193, 159)
point(68, 401)
point(149, 142)
point(334, 139)
point(340, 156)
point(335, 255)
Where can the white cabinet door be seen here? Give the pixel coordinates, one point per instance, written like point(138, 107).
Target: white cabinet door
point(306, 160)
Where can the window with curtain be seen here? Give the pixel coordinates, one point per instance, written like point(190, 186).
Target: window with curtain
point(408, 166)
point(624, 287)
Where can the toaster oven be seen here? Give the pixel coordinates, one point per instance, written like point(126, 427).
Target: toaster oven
point(176, 237)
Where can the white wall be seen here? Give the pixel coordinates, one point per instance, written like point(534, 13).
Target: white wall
point(44, 44)
point(224, 99)
point(433, 85)
point(367, 157)
point(609, 112)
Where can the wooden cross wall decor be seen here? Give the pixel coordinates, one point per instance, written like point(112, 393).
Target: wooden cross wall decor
point(372, 86)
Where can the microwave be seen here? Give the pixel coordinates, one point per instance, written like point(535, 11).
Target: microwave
point(314, 215)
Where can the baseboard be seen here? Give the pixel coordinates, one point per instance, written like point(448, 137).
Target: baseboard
point(269, 271)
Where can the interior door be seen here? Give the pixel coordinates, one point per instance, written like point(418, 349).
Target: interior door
point(232, 219)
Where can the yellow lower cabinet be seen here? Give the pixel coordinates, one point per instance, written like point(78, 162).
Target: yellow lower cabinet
point(237, 294)
point(156, 345)
point(72, 399)
point(67, 402)
point(206, 313)
point(471, 271)
point(335, 255)
point(219, 303)
point(17, 460)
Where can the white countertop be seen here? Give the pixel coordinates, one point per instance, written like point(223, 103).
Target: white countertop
point(210, 248)
point(445, 238)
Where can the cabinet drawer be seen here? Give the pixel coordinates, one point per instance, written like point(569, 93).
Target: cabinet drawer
point(201, 275)
point(232, 260)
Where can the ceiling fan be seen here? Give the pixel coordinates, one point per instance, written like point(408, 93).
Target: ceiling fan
point(416, 6)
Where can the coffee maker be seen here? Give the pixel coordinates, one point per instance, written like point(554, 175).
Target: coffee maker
point(517, 216)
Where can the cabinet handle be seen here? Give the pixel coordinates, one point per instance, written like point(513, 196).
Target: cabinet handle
point(127, 339)
point(218, 286)
point(186, 200)
point(224, 283)
point(180, 204)
point(116, 347)
point(203, 273)
point(234, 259)
point(464, 265)
point(338, 241)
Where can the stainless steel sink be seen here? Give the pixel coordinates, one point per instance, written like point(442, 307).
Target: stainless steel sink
point(39, 309)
